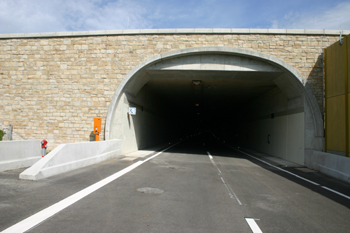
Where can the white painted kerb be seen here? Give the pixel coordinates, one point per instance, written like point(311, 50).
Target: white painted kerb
point(19, 154)
point(68, 157)
point(330, 164)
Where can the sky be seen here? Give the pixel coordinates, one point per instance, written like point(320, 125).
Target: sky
point(33, 16)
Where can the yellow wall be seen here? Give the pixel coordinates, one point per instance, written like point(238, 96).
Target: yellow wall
point(337, 86)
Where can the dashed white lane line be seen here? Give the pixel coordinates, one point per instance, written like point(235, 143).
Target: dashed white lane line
point(231, 193)
point(252, 224)
point(302, 178)
point(41, 216)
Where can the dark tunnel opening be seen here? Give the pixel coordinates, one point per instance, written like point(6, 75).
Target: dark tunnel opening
point(247, 99)
point(208, 102)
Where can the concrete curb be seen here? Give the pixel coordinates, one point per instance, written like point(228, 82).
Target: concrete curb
point(19, 154)
point(68, 157)
point(330, 164)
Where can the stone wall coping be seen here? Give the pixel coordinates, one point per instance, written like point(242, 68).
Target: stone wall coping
point(177, 31)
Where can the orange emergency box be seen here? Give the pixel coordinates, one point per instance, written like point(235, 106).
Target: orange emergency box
point(97, 128)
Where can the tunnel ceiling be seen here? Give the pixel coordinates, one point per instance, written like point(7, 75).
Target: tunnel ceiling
point(217, 89)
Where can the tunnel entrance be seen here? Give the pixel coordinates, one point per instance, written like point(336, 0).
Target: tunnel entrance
point(248, 97)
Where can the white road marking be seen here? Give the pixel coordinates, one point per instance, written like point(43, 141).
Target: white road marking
point(41, 216)
point(209, 155)
point(314, 183)
point(231, 193)
point(212, 161)
point(343, 195)
point(252, 224)
point(275, 166)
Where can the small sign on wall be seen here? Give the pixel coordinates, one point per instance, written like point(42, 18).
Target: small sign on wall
point(132, 111)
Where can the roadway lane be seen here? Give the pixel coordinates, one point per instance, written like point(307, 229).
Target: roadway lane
point(204, 186)
point(281, 202)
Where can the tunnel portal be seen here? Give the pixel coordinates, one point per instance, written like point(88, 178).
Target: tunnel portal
point(249, 98)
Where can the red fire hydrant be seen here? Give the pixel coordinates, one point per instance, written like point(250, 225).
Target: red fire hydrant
point(43, 148)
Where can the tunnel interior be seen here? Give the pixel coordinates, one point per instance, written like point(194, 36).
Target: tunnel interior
point(248, 101)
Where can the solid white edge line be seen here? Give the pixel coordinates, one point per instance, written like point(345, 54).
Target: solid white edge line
point(253, 226)
point(343, 195)
point(324, 187)
point(48, 212)
point(302, 178)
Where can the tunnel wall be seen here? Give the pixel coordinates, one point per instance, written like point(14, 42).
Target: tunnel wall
point(54, 84)
point(152, 124)
point(275, 126)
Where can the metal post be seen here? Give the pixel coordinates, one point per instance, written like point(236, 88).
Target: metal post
point(9, 133)
point(43, 148)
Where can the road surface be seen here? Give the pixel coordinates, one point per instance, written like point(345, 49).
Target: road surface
point(198, 185)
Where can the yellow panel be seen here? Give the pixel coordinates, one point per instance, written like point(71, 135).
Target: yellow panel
point(349, 118)
point(336, 123)
point(335, 76)
point(348, 59)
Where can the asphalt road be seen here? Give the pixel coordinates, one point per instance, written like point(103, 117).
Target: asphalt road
point(199, 185)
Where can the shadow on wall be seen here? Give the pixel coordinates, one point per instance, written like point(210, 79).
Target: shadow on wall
point(315, 81)
point(92, 137)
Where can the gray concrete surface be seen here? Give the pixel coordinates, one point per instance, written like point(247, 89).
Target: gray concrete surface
point(68, 157)
point(194, 198)
point(330, 164)
point(19, 154)
point(177, 31)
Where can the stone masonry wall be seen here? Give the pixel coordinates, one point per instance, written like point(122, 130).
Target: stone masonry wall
point(52, 88)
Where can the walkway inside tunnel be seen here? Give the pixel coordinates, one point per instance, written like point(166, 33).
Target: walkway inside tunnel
point(245, 99)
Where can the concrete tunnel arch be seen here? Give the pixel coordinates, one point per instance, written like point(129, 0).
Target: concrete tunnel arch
point(291, 83)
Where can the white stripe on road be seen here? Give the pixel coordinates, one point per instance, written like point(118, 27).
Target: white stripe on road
point(252, 224)
point(343, 195)
point(230, 191)
point(210, 157)
point(41, 216)
point(314, 183)
point(228, 187)
point(275, 166)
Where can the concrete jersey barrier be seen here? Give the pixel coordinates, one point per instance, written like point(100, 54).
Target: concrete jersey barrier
point(330, 164)
point(68, 157)
point(19, 154)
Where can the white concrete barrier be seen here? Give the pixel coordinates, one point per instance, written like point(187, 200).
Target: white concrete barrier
point(18, 154)
point(68, 157)
point(333, 165)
